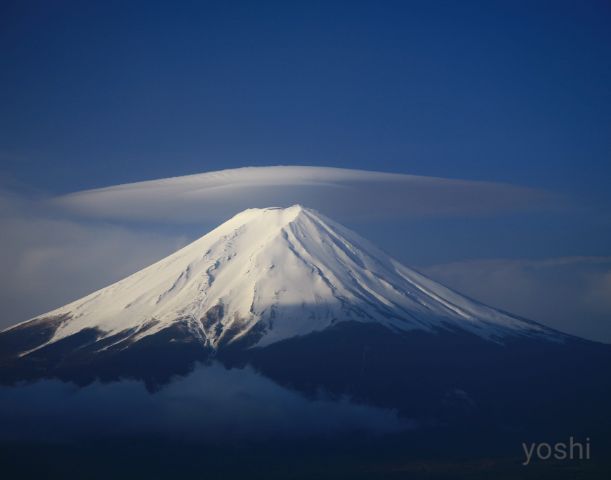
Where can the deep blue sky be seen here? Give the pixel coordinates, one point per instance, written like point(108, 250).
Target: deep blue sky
point(97, 93)
point(100, 93)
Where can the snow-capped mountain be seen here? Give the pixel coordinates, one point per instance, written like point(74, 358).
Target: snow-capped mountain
point(315, 307)
point(269, 275)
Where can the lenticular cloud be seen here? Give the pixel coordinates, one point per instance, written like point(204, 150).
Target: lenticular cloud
point(334, 191)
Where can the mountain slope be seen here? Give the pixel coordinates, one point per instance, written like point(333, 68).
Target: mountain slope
point(316, 308)
point(268, 275)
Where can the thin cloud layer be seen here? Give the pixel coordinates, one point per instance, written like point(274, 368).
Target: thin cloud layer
point(337, 192)
point(572, 294)
point(48, 260)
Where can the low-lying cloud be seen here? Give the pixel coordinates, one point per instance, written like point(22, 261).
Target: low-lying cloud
point(337, 192)
point(211, 404)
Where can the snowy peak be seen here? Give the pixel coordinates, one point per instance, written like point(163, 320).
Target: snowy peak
point(270, 274)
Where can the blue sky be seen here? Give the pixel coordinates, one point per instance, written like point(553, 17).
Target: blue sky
point(98, 93)
point(103, 93)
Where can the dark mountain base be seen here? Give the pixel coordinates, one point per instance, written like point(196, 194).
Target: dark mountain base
point(446, 378)
point(155, 359)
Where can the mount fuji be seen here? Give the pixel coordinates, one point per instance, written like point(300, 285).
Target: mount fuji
point(311, 305)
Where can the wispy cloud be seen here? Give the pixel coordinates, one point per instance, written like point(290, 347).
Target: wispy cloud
point(48, 260)
point(572, 294)
point(335, 191)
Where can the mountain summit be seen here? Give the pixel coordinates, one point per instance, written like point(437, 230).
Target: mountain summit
point(267, 275)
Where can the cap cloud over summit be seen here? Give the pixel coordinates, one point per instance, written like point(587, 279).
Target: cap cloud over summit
point(338, 192)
